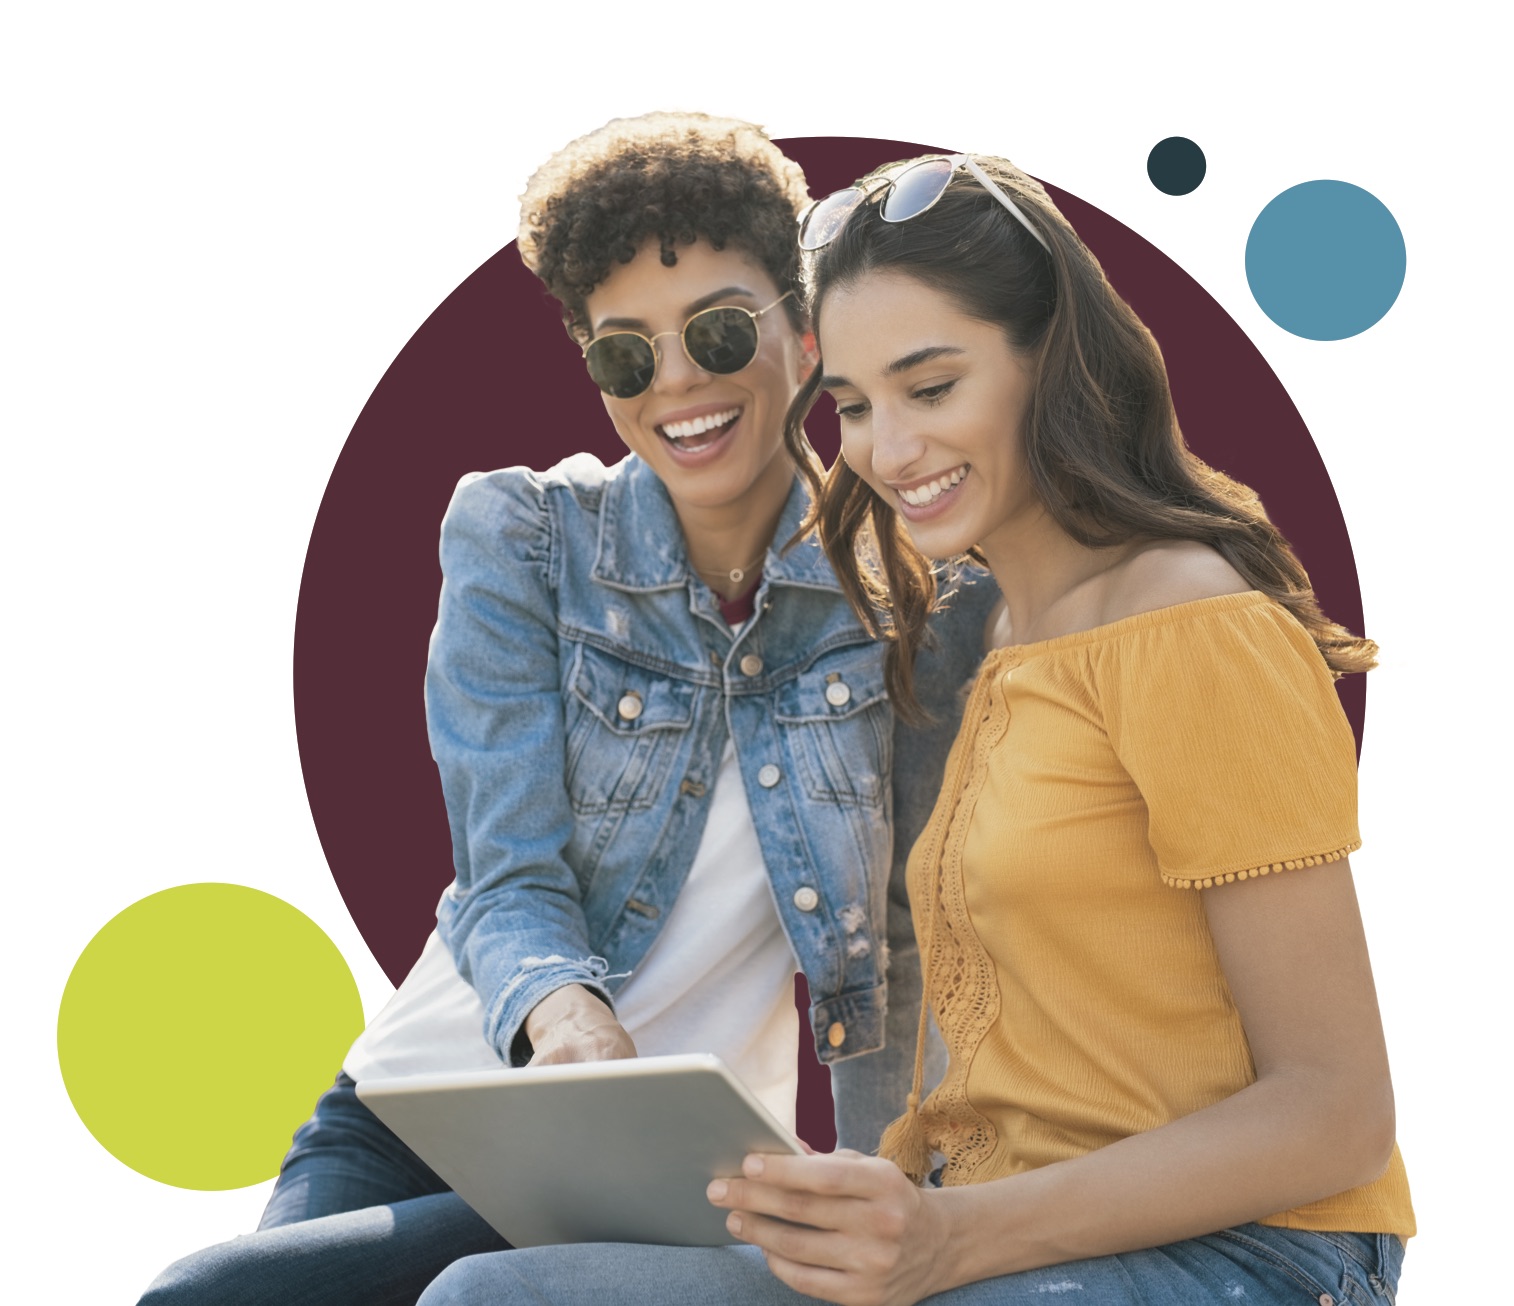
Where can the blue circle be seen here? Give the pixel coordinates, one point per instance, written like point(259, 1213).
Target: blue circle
point(1325, 260)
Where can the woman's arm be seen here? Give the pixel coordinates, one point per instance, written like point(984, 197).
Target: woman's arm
point(1317, 1121)
point(512, 917)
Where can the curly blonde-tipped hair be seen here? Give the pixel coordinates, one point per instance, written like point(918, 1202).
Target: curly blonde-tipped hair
point(676, 176)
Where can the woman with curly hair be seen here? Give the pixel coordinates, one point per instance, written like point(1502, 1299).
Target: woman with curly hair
point(1167, 1079)
point(663, 736)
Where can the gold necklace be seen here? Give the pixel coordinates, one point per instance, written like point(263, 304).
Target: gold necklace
point(736, 574)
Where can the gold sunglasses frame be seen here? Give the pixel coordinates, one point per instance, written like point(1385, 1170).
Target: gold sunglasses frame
point(681, 333)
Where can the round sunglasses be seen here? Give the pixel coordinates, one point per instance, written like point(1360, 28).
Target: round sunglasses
point(908, 193)
point(721, 340)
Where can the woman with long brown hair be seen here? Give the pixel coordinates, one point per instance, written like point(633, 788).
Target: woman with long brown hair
point(1167, 1080)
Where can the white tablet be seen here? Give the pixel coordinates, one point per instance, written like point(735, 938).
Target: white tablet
point(597, 1151)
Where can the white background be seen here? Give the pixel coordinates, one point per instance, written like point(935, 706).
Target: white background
point(222, 222)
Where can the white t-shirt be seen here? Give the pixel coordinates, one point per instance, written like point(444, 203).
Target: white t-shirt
point(719, 978)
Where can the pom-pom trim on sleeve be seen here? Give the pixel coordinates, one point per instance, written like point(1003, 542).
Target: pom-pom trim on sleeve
point(1292, 864)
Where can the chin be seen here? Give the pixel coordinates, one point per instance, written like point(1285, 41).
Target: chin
point(713, 489)
point(941, 542)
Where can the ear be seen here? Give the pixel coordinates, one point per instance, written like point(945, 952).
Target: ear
point(809, 354)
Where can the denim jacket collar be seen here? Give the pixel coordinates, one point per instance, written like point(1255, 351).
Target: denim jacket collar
point(641, 542)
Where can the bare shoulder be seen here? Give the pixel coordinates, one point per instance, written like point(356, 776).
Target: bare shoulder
point(1165, 573)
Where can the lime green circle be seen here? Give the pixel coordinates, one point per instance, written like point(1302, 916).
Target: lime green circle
point(197, 1029)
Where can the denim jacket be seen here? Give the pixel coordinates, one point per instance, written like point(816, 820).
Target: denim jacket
point(580, 689)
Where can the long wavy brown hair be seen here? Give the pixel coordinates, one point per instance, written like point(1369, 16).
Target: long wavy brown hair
point(1101, 438)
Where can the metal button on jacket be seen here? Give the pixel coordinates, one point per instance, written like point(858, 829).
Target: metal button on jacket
point(836, 1035)
point(838, 693)
point(629, 706)
point(806, 899)
point(769, 776)
point(751, 665)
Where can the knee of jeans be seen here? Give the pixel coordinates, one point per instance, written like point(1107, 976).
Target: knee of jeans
point(200, 1279)
point(472, 1281)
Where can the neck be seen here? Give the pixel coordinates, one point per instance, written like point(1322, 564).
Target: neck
point(736, 535)
point(1049, 581)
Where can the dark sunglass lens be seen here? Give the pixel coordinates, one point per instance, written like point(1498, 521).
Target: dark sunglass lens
point(721, 340)
point(826, 217)
point(916, 189)
point(621, 364)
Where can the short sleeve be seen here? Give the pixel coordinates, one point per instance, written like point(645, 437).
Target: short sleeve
point(1225, 716)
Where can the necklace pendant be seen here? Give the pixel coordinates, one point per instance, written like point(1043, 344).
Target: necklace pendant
point(737, 575)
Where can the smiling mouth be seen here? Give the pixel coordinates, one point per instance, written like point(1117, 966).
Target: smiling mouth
point(698, 432)
point(922, 496)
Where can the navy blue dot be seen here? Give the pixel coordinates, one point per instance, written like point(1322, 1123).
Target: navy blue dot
point(1176, 166)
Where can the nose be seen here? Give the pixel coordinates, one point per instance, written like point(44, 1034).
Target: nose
point(898, 443)
point(676, 371)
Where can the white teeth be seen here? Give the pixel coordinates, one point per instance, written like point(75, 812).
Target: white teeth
point(922, 495)
point(699, 425)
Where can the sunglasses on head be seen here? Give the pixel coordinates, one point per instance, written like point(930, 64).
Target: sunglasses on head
point(907, 194)
point(721, 340)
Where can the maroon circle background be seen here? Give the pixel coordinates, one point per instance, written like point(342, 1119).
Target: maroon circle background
point(490, 379)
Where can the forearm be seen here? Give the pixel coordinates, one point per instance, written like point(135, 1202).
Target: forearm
point(1282, 1142)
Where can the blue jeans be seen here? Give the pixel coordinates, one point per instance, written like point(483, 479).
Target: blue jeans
point(356, 1217)
point(1254, 1263)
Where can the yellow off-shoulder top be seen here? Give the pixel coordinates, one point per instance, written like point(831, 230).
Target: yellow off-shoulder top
point(1097, 779)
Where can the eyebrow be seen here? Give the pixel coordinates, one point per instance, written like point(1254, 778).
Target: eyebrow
point(926, 355)
point(698, 306)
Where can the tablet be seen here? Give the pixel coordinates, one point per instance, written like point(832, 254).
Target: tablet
point(595, 1151)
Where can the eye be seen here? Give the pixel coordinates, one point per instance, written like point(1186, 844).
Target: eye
point(934, 394)
point(851, 412)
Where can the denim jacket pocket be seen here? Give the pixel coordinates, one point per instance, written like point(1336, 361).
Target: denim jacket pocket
point(836, 716)
point(624, 729)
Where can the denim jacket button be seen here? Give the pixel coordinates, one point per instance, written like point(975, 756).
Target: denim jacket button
point(1325, 1299)
point(751, 665)
point(836, 1035)
point(629, 706)
point(838, 693)
point(769, 776)
point(806, 899)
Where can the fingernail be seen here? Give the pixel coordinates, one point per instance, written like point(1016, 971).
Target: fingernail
point(753, 1165)
point(717, 1190)
point(733, 1223)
